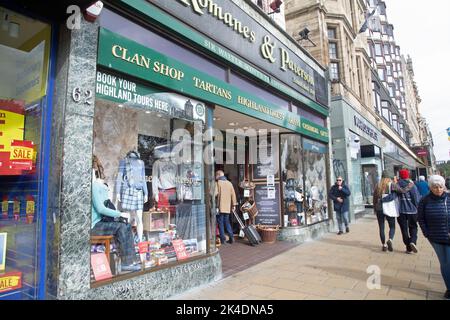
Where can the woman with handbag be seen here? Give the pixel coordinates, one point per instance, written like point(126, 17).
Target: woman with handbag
point(386, 207)
point(384, 189)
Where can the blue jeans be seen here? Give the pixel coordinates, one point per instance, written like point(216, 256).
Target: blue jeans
point(224, 218)
point(443, 253)
point(342, 219)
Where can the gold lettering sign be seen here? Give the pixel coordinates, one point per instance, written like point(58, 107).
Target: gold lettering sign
point(212, 88)
point(226, 17)
point(260, 108)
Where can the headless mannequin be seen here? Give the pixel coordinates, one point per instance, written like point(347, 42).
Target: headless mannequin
point(164, 177)
point(137, 213)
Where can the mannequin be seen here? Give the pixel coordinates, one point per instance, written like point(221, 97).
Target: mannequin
point(164, 180)
point(131, 187)
point(367, 187)
point(121, 231)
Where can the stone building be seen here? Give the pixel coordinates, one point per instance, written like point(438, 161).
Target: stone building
point(330, 31)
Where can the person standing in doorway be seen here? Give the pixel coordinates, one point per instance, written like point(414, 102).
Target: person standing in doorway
point(422, 186)
point(226, 203)
point(434, 219)
point(407, 220)
point(340, 194)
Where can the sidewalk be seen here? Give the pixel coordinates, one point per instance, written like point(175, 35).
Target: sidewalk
point(334, 267)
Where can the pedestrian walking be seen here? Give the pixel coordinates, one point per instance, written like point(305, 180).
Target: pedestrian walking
point(407, 220)
point(434, 220)
point(447, 184)
point(340, 194)
point(226, 202)
point(384, 187)
point(422, 186)
point(386, 190)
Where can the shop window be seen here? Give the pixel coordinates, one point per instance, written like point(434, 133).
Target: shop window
point(292, 181)
point(149, 171)
point(315, 203)
point(24, 64)
point(378, 51)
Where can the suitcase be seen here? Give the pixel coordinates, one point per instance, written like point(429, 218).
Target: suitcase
point(250, 231)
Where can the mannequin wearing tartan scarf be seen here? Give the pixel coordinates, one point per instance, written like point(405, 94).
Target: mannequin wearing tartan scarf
point(131, 187)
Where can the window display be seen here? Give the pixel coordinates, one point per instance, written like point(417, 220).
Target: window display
point(292, 177)
point(24, 65)
point(153, 174)
point(315, 200)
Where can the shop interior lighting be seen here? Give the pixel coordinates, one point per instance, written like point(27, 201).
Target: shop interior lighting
point(233, 124)
point(14, 29)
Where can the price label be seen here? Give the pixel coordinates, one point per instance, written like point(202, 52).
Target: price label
point(30, 207)
point(246, 193)
point(5, 206)
point(246, 216)
point(16, 207)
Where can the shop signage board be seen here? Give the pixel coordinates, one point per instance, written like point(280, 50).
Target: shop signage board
point(268, 207)
point(136, 95)
point(10, 281)
point(124, 55)
point(272, 55)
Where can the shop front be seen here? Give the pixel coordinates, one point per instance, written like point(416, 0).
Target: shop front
point(356, 154)
point(148, 121)
point(396, 158)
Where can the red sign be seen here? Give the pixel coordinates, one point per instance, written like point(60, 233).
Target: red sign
point(10, 281)
point(100, 266)
point(21, 155)
point(180, 249)
point(143, 247)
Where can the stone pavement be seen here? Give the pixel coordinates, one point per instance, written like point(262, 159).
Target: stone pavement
point(335, 267)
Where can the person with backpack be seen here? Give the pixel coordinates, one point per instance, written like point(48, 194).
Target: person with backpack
point(340, 194)
point(408, 203)
point(386, 190)
point(434, 220)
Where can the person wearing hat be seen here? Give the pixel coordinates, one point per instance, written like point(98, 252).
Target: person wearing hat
point(408, 203)
point(385, 188)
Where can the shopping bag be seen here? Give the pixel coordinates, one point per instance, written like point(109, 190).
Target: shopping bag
point(390, 205)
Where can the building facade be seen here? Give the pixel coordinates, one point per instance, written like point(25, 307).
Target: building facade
point(399, 108)
point(335, 40)
point(144, 97)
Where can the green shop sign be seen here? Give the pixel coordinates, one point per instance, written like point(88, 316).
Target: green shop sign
point(121, 54)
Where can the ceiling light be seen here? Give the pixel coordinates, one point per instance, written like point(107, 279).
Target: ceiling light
point(13, 30)
point(217, 119)
point(147, 112)
point(245, 128)
point(232, 124)
point(120, 105)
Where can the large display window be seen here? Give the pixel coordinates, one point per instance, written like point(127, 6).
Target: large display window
point(292, 177)
point(148, 194)
point(316, 193)
point(25, 56)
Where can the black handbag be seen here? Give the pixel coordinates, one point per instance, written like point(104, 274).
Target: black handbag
point(108, 203)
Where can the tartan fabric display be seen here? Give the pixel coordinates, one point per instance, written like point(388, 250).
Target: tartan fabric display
point(132, 199)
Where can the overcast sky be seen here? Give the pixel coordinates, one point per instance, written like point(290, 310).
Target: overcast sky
point(422, 29)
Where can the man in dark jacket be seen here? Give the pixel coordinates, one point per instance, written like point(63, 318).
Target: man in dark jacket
point(433, 216)
point(340, 194)
point(408, 203)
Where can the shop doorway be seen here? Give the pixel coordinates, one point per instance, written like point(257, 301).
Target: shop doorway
point(235, 156)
